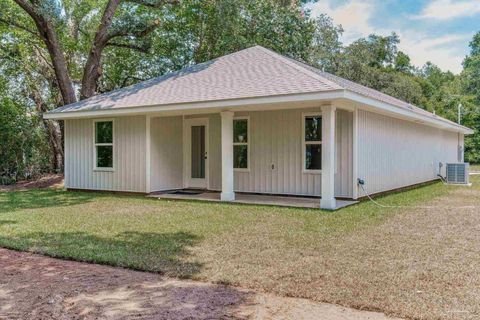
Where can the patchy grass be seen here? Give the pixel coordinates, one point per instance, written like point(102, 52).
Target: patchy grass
point(474, 167)
point(410, 262)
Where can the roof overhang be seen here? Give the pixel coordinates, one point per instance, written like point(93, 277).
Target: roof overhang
point(265, 103)
point(386, 108)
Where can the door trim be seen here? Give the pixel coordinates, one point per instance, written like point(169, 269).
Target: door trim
point(187, 142)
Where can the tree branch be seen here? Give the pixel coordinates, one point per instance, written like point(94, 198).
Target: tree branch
point(103, 37)
point(19, 26)
point(128, 46)
point(92, 71)
point(154, 3)
point(45, 60)
point(137, 33)
point(27, 7)
point(49, 36)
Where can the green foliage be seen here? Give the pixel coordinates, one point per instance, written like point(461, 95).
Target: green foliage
point(326, 51)
point(470, 87)
point(23, 146)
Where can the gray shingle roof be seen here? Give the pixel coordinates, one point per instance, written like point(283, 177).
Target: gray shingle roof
point(253, 72)
point(363, 90)
point(249, 73)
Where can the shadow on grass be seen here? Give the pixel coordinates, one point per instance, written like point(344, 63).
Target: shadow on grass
point(42, 198)
point(166, 253)
point(3, 222)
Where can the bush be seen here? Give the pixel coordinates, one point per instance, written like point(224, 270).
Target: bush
point(24, 147)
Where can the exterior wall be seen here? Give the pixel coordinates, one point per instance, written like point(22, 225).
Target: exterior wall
point(276, 139)
point(166, 165)
point(344, 154)
point(128, 156)
point(394, 153)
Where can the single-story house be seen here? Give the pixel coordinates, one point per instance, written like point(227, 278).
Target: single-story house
point(254, 121)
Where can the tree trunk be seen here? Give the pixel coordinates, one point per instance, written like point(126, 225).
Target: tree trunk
point(53, 130)
point(55, 139)
point(49, 37)
point(93, 70)
point(60, 67)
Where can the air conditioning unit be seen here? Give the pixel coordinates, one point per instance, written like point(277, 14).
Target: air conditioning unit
point(457, 173)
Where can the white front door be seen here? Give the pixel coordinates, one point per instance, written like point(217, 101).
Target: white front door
point(195, 136)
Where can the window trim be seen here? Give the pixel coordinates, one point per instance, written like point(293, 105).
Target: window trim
point(305, 143)
point(248, 144)
point(95, 145)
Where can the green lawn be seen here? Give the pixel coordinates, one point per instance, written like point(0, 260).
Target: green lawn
point(326, 256)
point(159, 235)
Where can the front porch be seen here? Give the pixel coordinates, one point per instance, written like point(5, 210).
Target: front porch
point(298, 156)
point(249, 198)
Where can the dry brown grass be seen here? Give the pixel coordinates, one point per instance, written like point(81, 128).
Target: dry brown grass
point(418, 263)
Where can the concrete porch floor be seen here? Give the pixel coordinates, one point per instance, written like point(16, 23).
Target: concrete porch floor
point(249, 198)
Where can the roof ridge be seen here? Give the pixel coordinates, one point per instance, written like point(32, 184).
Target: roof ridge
point(299, 68)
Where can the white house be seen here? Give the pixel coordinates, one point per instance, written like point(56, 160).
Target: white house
point(253, 122)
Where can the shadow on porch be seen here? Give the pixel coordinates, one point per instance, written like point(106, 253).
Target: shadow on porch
point(248, 198)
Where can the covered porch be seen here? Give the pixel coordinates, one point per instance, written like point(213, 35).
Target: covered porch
point(248, 198)
point(300, 156)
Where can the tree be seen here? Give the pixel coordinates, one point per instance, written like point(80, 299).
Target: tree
point(214, 28)
point(74, 35)
point(376, 63)
point(471, 68)
point(326, 47)
point(470, 84)
point(402, 63)
point(22, 142)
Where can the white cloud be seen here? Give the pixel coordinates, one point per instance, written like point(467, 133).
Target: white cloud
point(355, 17)
point(443, 51)
point(449, 9)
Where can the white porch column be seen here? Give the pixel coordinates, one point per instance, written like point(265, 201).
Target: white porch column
point(355, 155)
point(227, 156)
point(147, 153)
point(328, 158)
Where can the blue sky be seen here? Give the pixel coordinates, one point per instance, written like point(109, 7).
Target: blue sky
point(429, 30)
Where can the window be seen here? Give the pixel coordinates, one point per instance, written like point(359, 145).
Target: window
point(312, 143)
point(104, 145)
point(240, 143)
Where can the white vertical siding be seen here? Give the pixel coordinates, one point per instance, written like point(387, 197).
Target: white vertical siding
point(276, 140)
point(344, 154)
point(166, 153)
point(461, 146)
point(394, 153)
point(215, 152)
point(128, 156)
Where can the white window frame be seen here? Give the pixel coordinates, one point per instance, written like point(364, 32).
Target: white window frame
point(95, 145)
point(249, 137)
point(305, 143)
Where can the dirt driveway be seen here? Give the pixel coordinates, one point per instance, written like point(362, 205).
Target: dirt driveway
point(37, 287)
